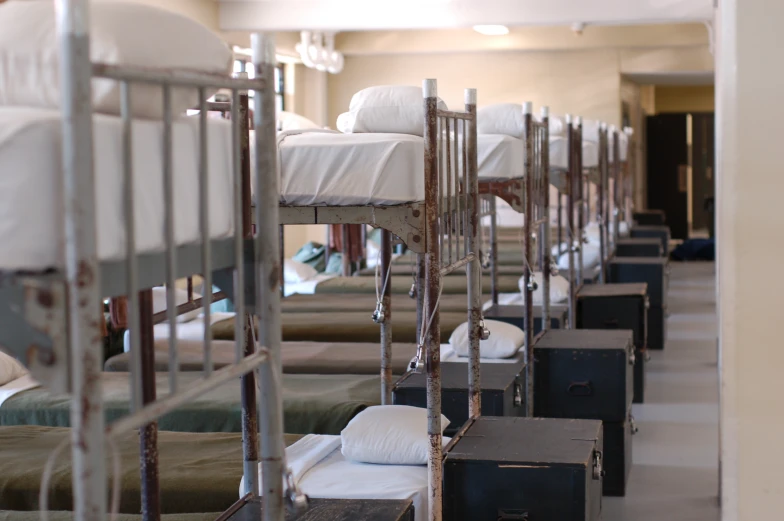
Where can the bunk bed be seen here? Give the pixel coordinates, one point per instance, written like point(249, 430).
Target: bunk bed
point(142, 228)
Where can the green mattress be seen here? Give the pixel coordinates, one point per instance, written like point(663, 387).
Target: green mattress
point(508, 254)
point(366, 303)
point(403, 270)
point(318, 404)
point(401, 285)
point(346, 327)
point(198, 472)
point(297, 357)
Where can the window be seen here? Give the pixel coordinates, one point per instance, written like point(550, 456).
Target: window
point(245, 66)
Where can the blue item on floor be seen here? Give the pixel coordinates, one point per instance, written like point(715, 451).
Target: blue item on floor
point(695, 250)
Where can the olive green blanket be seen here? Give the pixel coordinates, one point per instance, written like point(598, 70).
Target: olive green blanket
point(198, 472)
point(346, 326)
point(317, 404)
point(296, 357)
point(401, 285)
point(365, 303)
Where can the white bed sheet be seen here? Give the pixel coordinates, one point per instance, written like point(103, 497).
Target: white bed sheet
point(31, 185)
point(191, 330)
point(332, 168)
point(559, 153)
point(499, 156)
point(11, 389)
point(322, 472)
point(306, 287)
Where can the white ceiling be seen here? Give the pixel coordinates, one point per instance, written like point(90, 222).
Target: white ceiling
point(359, 15)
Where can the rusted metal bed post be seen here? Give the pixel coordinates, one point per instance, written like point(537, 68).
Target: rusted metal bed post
point(616, 151)
point(546, 248)
point(493, 254)
point(601, 214)
point(386, 317)
point(528, 290)
point(474, 268)
point(581, 197)
point(148, 434)
point(432, 262)
point(81, 262)
point(250, 421)
point(570, 200)
point(267, 266)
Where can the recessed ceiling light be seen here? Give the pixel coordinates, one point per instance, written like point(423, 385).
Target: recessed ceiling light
point(491, 30)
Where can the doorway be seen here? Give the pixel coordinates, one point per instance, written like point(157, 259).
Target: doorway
point(680, 169)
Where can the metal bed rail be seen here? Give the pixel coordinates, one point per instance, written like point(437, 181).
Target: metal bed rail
point(451, 214)
point(603, 203)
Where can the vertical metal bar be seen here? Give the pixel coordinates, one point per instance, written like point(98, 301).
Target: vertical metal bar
point(617, 180)
point(460, 230)
point(570, 197)
point(466, 190)
point(132, 273)
point(493, 250)
point(241, 217)
point(432, 288)
point(580, 207)
point(267, 267)
point(81, 262)
point(528, 320)
point(171, 247)
point(148, 435)
point(450, 217)
point(345, 251)
point(420, 292)
point(243, 334)
point(600, 213)
point(547, 260)
point(282, 249)
point(474, 268)
point(386, 324)
point(204, 226)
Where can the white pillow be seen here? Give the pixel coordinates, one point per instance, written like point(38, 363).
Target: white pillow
point(292, 121)
point(559, 288)
point(388, 435)
point(10, 369)
point(122, 33)
point(180, 297)
point(295, 271)
point(504, 342)
point(591, 257)
point(501, 118)
point(393, 109)
point(345, 122)
point(591, 130)
point(507, 119)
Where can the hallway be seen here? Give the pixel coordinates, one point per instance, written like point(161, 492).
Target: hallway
point(674, 475)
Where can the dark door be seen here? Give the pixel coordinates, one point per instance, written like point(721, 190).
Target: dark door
point(702, 169)
point(668, 160)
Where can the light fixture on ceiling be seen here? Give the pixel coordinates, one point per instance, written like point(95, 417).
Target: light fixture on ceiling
point(578, 28)
point(317, 51)
point(492, 30)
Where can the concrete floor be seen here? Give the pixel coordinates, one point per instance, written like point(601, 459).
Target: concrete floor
point(674, 475)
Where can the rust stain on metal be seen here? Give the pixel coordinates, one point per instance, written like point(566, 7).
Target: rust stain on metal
point(415, 213)
point(85, 275)
point(45, 298)
point(417, 239)
point(274, 276)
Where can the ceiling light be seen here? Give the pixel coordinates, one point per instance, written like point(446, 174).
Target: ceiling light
point(491, 30)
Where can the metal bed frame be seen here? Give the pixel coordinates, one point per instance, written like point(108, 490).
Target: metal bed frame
point(49, 319)
point(528, 194)
point(433, 229)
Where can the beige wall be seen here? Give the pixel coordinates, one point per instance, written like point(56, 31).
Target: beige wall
point(693, 98)
point(584, 83)
point(749, 187)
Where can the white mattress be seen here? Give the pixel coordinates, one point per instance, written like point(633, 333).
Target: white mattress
point(14, 387)
point(191, 330)
point(559, 153)
point(499, 156)
point(31, 185)
point(321, 471)
point(331, 168)
point(306, 287)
